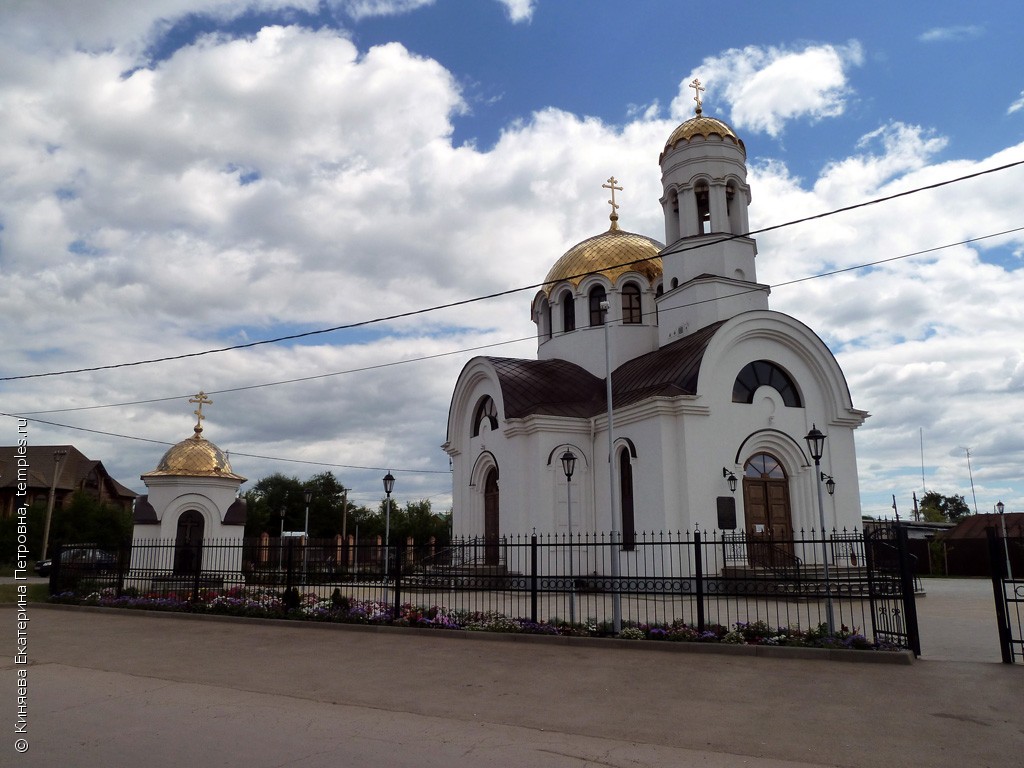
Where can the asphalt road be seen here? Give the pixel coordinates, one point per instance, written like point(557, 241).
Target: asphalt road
point(126, 689)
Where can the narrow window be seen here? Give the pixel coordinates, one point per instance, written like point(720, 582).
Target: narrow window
point(568, 312)
point(631, 313)
point(626, 493)
point(597, 297)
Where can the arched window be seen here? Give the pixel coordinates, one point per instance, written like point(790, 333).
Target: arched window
point(626, 498)
point(549, 328)
point(597, 297)
point(486, 416)
point(631, 312)
point(764, 466)
point(568, 312)
point(763, 373)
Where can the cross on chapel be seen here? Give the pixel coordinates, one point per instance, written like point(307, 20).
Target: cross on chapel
point(202, 400)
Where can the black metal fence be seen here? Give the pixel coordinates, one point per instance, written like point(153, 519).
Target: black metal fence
point(1009, 596)
point(845, 579)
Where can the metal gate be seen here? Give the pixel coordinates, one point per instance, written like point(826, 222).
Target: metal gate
point(1009, 597)
point(890, 572)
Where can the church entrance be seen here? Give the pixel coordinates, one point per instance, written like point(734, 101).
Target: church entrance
point(769, 520)
point(491, 549)
point(188, 543)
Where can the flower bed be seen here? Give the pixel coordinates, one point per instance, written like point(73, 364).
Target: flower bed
point(262, 603)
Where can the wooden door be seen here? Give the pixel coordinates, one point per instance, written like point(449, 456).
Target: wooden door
point(769, 520)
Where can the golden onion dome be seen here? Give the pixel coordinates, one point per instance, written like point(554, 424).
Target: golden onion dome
point(704, 127)
point(612, 254)
point(194, 457)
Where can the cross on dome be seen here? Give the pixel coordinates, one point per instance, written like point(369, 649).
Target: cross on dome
point(697, 88)
point(201, 399)
point(610, 184)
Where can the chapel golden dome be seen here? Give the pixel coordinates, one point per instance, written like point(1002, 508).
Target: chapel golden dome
point(195, 456)
point(612, 253)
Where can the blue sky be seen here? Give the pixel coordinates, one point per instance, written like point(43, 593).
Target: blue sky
point(180, 174)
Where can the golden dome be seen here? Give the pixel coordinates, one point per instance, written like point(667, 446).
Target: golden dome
point(703, 126)
point(194, 457)
point(612, 253)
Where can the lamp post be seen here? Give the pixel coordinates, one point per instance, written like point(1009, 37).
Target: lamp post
point(344, 526)
point(305, 539)
point(816, 445)
point(1000, 508)
point(568, 466)
point(389, 485)
point(58, 456)
point(612, 475)
point(280, 542)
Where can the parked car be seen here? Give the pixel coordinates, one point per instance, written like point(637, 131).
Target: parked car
point(80, 559)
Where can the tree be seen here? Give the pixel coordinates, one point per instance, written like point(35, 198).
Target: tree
point(936, 508)
point(277, 492)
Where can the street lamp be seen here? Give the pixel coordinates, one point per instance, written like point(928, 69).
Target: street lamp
point(1000, 508)
point(389, 485)
point(816, 445)
point(568, 466)
point(730, 477)
point(830, 484)
point(58, 455)
point(305, 539)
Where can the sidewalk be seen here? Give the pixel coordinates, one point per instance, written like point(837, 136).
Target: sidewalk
point(125, 689)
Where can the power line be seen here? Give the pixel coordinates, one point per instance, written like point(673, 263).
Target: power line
point(26, 414)
point(233, 453)
point(463, 302)
point(450, 353)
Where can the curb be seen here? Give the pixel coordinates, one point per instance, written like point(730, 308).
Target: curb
point(761, 651)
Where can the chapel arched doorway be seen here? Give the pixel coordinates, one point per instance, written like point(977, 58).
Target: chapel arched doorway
point(188, 542)
point(491, 522)
point(769, 519)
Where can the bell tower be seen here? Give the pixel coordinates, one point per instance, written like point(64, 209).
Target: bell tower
point(709, 272)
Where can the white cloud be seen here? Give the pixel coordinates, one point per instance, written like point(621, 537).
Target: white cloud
point(519, 10)
point(247, 188)
point(767, 87)
point(952, 34)
point(1017, 105)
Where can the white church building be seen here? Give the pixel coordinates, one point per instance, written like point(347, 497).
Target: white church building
point(711, 390)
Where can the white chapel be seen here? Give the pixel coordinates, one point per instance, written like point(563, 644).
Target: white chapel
point(192, 496)
point(712, 392)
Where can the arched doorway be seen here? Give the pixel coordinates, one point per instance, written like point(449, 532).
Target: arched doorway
point(491, 527)
point(769, 519)
point(188, 543)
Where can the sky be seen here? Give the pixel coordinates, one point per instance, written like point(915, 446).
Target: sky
point(181, 176)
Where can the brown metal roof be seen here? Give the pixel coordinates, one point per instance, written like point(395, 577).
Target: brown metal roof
point(973, 526)
point(550, 387)
point(561, 388)
point(671, 370)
